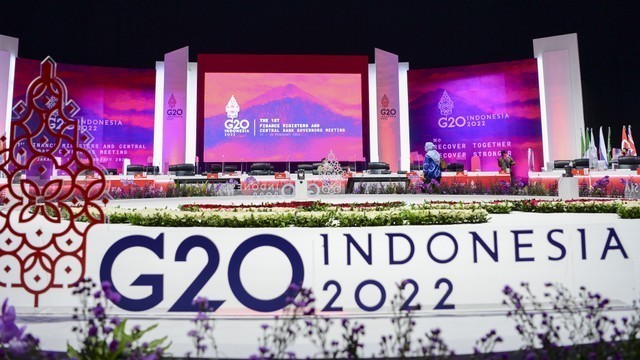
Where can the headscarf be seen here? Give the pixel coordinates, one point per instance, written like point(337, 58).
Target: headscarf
point(432, 152)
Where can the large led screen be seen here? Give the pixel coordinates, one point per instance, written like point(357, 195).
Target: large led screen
point(116, 108)
point(281, 117)
point(282, 108)
point(478, 110)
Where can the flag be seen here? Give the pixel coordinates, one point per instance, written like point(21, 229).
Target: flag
point(581, 141)
point(585, 151)
point(625, 140)
point(632, 144)
point(609, 154)
point(603, 149)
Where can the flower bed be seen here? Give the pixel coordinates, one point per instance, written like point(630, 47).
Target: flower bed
point(321, 214)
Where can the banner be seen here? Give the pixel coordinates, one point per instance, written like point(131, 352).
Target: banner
point(174, 126)
point(353, 271)
point(477, 110)
point(388, 106)
point(116, 108)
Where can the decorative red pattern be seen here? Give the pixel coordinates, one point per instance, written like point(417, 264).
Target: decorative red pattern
point(39, 250)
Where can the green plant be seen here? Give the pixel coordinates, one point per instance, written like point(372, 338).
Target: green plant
point(103, 337)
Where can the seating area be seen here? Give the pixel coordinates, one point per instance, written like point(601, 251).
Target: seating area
point(182, 170)
point(629, 162)
point(261, 168)
point(379, 168)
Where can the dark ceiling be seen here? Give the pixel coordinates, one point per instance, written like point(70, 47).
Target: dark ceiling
point(424, 33)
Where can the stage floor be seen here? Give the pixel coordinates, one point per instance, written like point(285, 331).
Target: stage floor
point(173, 203)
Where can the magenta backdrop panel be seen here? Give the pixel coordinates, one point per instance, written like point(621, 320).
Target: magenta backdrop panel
point(116, 107)
point(388, 100)
point(282, 116)
point(477, 110)
point(175, 108)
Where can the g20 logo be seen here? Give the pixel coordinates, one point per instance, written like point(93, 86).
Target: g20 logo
point(235, 124)
point(184, 302)
point(175, 112)
point(451, 122)
point(388, 112)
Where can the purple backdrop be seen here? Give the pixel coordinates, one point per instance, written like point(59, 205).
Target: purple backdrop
point(477, 110)
point(116, 108)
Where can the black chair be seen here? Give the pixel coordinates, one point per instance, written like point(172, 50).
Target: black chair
point(135, 169)
point(457, 167)
point(152, 170)
point(416, 167)
point(308, 168)
point(261, 168)
point(629, 162)
point(230, 168)
point(379, 168)
point(111, 171)
point(215, 168)
point(182, 170)
point(560, 164)
point(581, 163)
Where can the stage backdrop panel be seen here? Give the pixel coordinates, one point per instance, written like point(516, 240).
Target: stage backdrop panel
point(116, 108)
point(478, 110)
point(281, 108)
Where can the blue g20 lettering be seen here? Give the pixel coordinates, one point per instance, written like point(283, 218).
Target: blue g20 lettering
point(184, 302)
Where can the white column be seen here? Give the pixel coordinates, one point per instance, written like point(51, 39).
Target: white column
point(560, 96)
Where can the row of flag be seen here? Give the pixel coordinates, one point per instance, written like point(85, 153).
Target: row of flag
point(603, 151)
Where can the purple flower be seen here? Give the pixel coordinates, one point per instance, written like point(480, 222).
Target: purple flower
point(113, 296)
point(106, 286)
point(200, 301)
point(263, 349)
point(93, 331)
point(113, 346)
point(8, 328)
point(17, 347)
point(98, 311)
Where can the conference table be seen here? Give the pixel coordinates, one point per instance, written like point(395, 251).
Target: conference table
point(616, 179)
point(612, 181)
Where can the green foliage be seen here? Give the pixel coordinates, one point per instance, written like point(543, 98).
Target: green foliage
point(629, 212)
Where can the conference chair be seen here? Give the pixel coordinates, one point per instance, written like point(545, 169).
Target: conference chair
point(182, 170)
point(582, 163)
point(379, 168)
point(135, 169)
point(455, 167)
point(560, 164)
point(308, 168)
point(261, 168)
point(629, 162)
point(152, 170)
point(215, 168)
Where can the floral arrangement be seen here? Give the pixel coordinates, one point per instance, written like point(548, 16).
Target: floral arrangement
point(561, 325)
point(104, 337)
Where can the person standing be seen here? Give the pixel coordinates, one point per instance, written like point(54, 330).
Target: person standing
point(505, 162)
point(431, 165)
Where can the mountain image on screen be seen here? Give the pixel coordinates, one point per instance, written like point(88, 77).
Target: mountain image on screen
point(292, 106)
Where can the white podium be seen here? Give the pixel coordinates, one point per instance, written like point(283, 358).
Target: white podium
point(301, 190)
point(568, 188)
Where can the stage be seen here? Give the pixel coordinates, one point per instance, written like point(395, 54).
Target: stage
point(352, 271)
